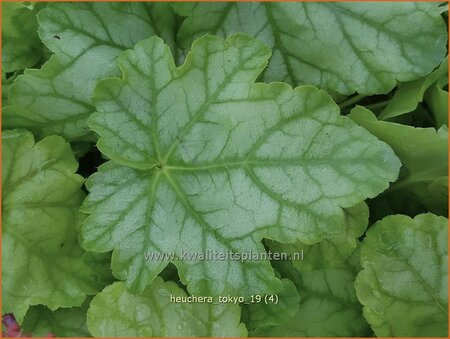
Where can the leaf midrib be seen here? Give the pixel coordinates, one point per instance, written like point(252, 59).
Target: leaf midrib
point(259, 162)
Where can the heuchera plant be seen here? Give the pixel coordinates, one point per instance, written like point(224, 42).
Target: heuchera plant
point(133, 128)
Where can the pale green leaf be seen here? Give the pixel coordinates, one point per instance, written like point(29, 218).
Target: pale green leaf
point(341, 47)
point(41, 196)
point(424, 155)
point(86, 39)
point(206, 160)
point(410, 94)
point(338, 248)
point(403, 285)
point(328, 304)
point(64, 322)
point(115, 312)
point(21, 46)
point(327, 252)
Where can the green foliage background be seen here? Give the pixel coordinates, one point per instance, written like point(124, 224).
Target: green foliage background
point(314, 128)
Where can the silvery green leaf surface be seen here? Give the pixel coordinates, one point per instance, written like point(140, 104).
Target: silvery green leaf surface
point(204, 159)
point(85, 39)
point(363, 47)
point(404, 282)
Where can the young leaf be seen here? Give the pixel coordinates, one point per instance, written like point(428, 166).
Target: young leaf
point(341, 47)
point(64, 322)
point(328, 304)
point(86, 38)
point(403, 284)
point(21, 46)
point(410, 94)
point(41, 196)
point(115, 312)
point(206, 160)
point(424, 154)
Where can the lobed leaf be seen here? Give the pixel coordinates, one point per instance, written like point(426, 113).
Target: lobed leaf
point(328, 305)
point(86, 39)
point(341, 47)
point(206, 160)
point(115, 312)
point(21, 46)
point(41, 196)
point(403, 285)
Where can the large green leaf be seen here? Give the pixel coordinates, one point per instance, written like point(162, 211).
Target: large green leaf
point(86, 38)
point(341, 47)
point(115, 312)
point(328, 304)
point(206, 160)
point(21, 46)
point(423, 183)
point(403, 284)
point(41, 196)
